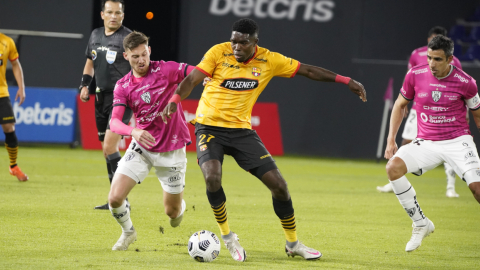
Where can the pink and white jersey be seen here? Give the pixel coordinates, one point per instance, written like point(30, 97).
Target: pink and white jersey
point(440, 103)
point(147, 100)
point(419, 57)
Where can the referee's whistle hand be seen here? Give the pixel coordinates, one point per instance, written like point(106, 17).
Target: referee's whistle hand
point(84, 94)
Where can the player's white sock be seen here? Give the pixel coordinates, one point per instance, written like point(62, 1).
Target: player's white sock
point(122, 216)
point(450, 176)
point(408, 199)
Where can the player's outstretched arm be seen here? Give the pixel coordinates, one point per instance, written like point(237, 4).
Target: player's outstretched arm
point(117, 126)
point(325, 75)
point(395, 121)
point(183, 91)
point(18, 74)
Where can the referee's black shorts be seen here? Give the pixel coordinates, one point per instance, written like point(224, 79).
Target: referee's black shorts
point(103, 113)
point(6, 111)
point(244, 145)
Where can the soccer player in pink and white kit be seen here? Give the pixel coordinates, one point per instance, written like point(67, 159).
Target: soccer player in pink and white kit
point(419, 57)
point(146, 89)
point(439, 91)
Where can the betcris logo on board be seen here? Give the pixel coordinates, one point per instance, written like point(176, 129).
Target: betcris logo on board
point(47, 115)
point(307, 10)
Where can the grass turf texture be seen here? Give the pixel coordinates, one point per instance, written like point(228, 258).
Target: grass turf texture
point(49, 221)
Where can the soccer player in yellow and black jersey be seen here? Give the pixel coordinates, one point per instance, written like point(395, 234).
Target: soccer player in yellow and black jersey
point(8, 52)
point(239, 71)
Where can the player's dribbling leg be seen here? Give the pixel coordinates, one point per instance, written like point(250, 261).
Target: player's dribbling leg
point(11, 144)
point(121, 186)
point(212, 171)
point(422, 226)
point(283, 207)
point(473, 181)
point(174, 207)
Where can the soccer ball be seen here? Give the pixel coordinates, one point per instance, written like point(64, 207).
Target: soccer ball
point(204, 246)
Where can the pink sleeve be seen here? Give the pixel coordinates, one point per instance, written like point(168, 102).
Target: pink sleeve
point(411, 61)
point(116, 124)
point(457, 63)
point(408, 91)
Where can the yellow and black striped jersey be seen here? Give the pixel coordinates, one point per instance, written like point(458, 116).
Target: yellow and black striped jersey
point(8, 52)
point(228, 99)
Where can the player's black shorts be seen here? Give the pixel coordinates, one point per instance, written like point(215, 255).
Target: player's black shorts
point(244, 145)
point(103, 113)
point(6, 111)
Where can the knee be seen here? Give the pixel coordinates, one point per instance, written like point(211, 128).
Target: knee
point(475, 189)
point(172, 211)
point(109, 148)
point(8, 128)
point(280, 190)
point(115, 200)
point(396, 168)
point(213, 180)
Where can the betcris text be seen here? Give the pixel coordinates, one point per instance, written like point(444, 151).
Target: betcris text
point(36, 115)
point(307, 10)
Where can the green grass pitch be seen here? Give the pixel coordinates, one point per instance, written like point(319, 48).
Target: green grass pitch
point(49, 221)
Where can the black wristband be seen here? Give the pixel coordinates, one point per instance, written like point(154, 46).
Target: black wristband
point(86, 80)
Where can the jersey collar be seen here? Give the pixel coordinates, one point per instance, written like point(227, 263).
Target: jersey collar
point(255, 54)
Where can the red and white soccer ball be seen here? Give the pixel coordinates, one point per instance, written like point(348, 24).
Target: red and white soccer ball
point(204, 246)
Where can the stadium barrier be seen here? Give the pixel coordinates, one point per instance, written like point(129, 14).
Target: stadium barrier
point(48, 115)
point(265, 120)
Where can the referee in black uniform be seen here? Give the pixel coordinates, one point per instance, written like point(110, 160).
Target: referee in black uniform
point(105, 59)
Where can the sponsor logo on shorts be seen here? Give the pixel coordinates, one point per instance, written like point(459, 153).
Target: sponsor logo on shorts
point(268, 155)
point(129, 156)
point(101, 133)
point(478, 172)
point(8, 118)
point(471, 162)
point(239, 84)
point(462, 79)
point(203, 147)
point(422, 95)
point(436, 95)
point(470, 154)
point(174, 185)
point(465, 144)
point(174, 178)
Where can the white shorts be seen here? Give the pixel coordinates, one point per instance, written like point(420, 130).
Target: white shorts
point(170, 167)
point(424, 155)
point(410, 128)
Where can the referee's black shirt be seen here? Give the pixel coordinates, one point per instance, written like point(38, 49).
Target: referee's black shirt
point(107, 55)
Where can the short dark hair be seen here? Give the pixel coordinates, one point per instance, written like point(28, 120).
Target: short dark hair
point(134, 39)
point(246, 26)
point(437, 30)
point(116, 1)
point(442, 43)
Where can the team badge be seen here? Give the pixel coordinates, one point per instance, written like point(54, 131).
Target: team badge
point(111, 55)
point(94, 54)
point(436, 95)
point(203, 147)
point(146, 97)
point(256, 71)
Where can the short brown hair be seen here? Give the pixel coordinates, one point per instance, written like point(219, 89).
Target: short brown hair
point(134, 40)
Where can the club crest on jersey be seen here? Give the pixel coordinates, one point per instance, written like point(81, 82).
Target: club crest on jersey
point(146, 97)
point(94, 54)
point(111, 55)
point(436, 95)
point(256, 71)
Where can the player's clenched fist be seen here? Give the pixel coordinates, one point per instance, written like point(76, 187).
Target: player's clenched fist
point(358, 89)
